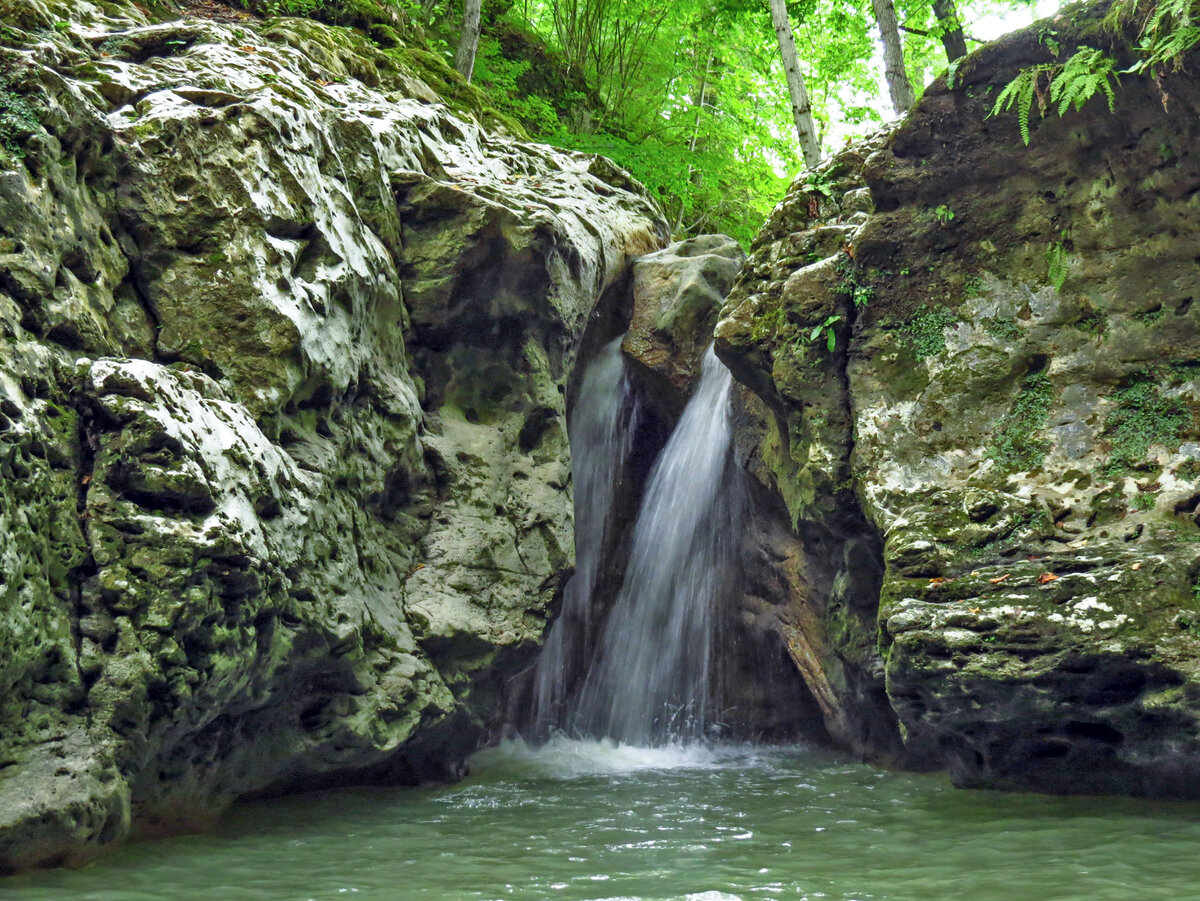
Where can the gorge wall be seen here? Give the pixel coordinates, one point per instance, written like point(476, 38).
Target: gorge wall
point(973, 369)
point(284, 351)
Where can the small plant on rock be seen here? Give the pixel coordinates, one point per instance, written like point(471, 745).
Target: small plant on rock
point(828, 328)
point(925, 331)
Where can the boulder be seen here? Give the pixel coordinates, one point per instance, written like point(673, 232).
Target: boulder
point(284, 351)
point(977, 397)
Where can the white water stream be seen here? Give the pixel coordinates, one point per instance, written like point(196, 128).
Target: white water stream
point(651, 677)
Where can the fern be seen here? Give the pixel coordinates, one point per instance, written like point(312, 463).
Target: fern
point(1071, 84)
point(1020, 93)
point(1056, 265)
point(1088, 72)
point(1168, 32)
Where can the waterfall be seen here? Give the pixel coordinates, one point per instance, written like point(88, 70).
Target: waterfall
point(601, 429)
point(651, 676)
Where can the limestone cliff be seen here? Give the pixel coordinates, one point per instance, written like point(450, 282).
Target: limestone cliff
point(284, 480)
point(975, 376)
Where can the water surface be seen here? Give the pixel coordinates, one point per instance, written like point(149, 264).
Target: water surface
point(591, 820)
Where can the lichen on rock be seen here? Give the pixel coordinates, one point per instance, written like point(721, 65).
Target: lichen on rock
point(284, 348)
point(1006, 422)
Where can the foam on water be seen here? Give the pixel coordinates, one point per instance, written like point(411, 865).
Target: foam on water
point(563, 758)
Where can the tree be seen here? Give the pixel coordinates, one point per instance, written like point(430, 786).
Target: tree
point(898, 84)
point(951, 27)
point(806, 130)
point(468, 42)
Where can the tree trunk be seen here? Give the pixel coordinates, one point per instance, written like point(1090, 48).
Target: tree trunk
point(801, 105)
point(694, 176)
point(464, 60)
point(893, 56)
point(952, 31)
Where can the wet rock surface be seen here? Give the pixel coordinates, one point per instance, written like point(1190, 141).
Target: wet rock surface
point(677, 294)
point(977, 395)
point(284, 349)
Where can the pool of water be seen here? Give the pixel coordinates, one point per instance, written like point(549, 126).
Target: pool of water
point(590, 820)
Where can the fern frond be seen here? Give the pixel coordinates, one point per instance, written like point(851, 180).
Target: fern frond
point(1086, 73)
point(1019, 93)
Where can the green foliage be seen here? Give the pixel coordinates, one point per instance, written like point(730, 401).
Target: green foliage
point(925, 331)
point(1149, 317)
point(1056, 265)
point(18, 120)
point(1019, 93)
point(1141, 417)
point(1091, 321)
point(849, 285)
point(943, 214)
point(1085, 74)
point(1188, 471)
point(818, 180)
point(1015, 447)
point(500, 78)
point(730, 196)
point(827, 327)
point(1145, 500)
point(1069, 84)
point(1002, 329)
point(1168, 30)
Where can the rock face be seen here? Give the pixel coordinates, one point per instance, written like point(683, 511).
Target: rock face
point(664, 322)
point(284, 480)
point(677, 294)
point(974, 366)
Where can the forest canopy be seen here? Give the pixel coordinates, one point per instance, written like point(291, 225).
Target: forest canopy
point(694, 97)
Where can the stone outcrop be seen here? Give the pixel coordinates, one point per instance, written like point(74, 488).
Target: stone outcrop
point(677, 294)
point(666, 319)
point(284, 351)
point(974, 369)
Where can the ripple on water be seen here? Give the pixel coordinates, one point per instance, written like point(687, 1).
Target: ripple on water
point(590, 821)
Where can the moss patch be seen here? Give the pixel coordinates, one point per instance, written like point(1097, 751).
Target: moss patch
point(1016, 447)
point(18, 120)
point(925, 331)
point(1142, 417)
point(383, 20)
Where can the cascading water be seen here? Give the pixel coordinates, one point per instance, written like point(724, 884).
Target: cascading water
point(651, 677)
point(601, 428)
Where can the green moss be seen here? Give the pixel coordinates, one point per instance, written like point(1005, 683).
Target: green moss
point(1145, 501)
point(18, 120)
point(1002, 329)
point(1149, 317)
point(1015, 447)
point(771, 325)
point(925, 331)
point(384, 21)
point(1141, 417)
